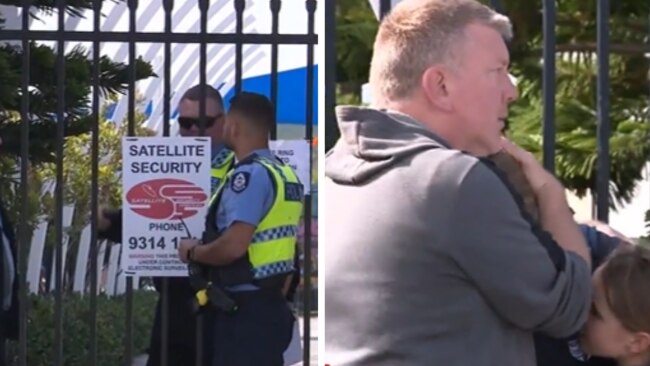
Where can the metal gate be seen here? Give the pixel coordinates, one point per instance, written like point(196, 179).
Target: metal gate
point(96, 36)
point(549, 54)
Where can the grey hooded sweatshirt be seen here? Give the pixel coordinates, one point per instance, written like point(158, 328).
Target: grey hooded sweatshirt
point(429, 258)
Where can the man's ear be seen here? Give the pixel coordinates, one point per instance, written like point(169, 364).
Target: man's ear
point(435, 87)
point(640, 343)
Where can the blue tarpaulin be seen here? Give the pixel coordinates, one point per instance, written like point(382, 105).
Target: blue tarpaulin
point(292, 96)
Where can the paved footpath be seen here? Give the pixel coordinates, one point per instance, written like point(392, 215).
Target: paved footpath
point(313, 345)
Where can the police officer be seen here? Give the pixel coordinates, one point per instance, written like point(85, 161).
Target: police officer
point(250, 241)
point(182, 321)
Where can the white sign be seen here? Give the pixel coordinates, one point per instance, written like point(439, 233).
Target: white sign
point(295, 153)
point(166, 182)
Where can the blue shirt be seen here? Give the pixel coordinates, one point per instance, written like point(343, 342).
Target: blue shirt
point(600, 245)
point(247, 197)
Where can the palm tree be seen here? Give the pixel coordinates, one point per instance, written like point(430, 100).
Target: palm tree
point(43, 94)
point(576, 105)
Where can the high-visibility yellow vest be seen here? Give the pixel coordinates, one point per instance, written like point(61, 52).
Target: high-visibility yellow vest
point(221, 165)
point(273, 246)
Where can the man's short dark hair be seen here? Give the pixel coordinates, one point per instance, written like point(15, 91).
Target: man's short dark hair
point(194, 94)
point(256, 108)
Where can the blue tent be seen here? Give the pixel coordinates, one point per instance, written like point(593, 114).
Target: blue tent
point(292, 96)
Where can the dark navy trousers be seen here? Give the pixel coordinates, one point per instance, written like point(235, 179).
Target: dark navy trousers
point(256, 334)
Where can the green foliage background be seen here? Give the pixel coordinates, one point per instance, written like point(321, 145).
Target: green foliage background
point(41, 170)
point(576, 96)
point(111, 329)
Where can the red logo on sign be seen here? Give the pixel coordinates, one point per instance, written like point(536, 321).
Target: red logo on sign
point(166, 199)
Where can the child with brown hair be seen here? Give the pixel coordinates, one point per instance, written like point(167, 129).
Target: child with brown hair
point(617, 331)
point(619, 322)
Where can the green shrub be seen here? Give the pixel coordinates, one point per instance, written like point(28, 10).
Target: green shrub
point(111, 329)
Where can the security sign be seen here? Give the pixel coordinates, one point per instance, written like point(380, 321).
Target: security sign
point(296, 154)
point(166, 183)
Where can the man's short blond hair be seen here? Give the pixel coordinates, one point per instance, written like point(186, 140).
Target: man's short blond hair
point(419, 33)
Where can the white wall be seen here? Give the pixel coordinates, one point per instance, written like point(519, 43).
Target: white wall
point(628, 219)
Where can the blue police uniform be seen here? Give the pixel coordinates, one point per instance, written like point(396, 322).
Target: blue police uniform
point(248, 196)
point(247, 202)
point(259, 331)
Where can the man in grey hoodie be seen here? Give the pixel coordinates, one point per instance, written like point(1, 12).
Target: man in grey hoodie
point(429, 257)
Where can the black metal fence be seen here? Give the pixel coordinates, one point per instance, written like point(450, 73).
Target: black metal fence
point(549, 12)
point(167, 37)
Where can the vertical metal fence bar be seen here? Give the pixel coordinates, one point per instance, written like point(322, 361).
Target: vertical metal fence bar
point(58, 216)
point(275, 14)
point(168, 6)
point(24, 187)
point(309, 131)
point(602, 50)
point(128, 339)
point(331, 130)
point(164, 320)
point(384, 8)
point(204, 6)
point(548, 85)
point(97, 7)
point(240, 5)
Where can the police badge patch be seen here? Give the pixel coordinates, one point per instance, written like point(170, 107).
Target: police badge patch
point(239, 182)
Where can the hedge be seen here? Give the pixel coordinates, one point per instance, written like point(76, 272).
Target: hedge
point(111, 329)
